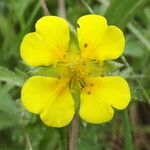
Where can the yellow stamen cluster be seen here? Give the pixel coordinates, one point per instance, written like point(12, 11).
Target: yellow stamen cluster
point(77, 71)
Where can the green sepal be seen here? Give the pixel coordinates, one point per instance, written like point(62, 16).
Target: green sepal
point(76, 94)
point(94, 67)
point(73, 43)
point(110, 67)
point(50, 71)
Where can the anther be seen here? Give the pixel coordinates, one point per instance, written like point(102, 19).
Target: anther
point(84, 63)
point(64, 56)
point(85, 45)
point(91, 84)
point(59, 76)
point(102, 75)
point(88, 92)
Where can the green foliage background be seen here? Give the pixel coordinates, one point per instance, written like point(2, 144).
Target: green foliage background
point(20, 130)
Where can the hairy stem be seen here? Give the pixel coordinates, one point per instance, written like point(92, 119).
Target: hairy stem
point(44, 7)
point(87, 7)
point(74, 134)
point(61, 8)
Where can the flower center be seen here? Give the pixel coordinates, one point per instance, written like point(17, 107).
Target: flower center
point(77, 69)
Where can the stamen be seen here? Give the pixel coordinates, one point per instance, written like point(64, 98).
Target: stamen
point(64, 56)
point(82, 83)
point(85, 45)
point(59, 76)
point(91, 84)
point(102, 75)
point(84, 63)
point(88, 92)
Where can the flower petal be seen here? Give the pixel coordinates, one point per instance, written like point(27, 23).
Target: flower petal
point(35, 93)
point(38, 92)
point(93, 109)
point(49, 97)
point(97, 40)
point(60, 111)
point(48, 44)
point(100, 94)
point(113, 90)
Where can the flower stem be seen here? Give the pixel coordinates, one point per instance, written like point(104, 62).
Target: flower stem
point(44, 7)
point(61, 8)
point(89, 9)
point(74, 134)
point(127, 131)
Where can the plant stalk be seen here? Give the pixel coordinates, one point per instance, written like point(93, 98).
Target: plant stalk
point(74, 134)
point(127, 131)
point(44, 7)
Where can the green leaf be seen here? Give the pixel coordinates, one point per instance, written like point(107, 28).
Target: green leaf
point(20, 6)
point(4, 26)
point(133, 47)
point(137, 32)
point(12, 77)
point(121, 12)
point(8, 108)
point(127, 131)
point(64, 137)
point(50, 139)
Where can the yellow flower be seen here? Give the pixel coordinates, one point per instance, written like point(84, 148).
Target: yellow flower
point(52, 97)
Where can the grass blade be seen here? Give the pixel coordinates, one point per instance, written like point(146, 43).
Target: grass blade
point(127, 131)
